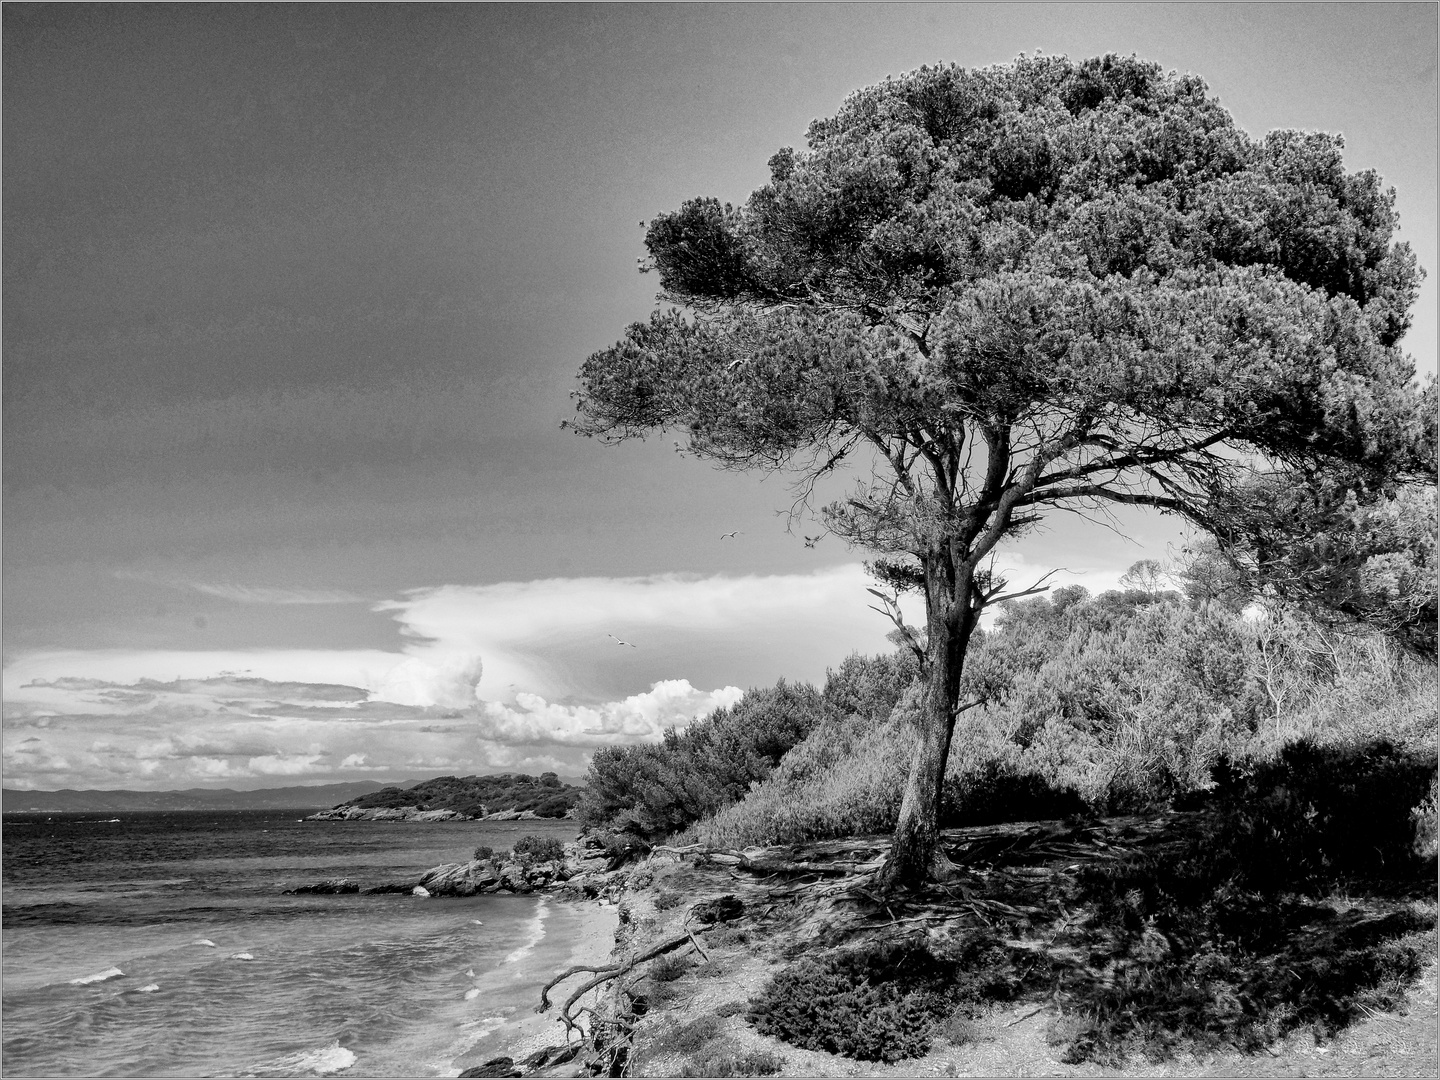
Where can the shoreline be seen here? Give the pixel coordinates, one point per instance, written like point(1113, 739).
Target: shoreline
point(524, 1031)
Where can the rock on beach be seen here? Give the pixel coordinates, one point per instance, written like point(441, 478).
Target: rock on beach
point(583, 874)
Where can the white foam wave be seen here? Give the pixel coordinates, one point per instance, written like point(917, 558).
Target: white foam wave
point(323, 1062)
point(537, 932)
point(477, 1029)
point(99, 976)
point(204, 941)
point(148, 988)
point(472, 993)
point(241, 956)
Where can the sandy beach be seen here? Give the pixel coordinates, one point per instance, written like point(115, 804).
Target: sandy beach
point(578, 932)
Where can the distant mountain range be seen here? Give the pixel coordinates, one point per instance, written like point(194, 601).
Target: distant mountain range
point(285, 798)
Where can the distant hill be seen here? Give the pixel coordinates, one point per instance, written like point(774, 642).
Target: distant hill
point(285, 798)
point(475, 796)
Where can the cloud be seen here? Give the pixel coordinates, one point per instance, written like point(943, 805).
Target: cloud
point(513, 676)
point(638, 718)
point(248, 594)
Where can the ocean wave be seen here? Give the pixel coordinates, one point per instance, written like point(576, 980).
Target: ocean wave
point(204, 941)
point(322, 1062)
point(148, 988)
point(536, 927)
point(99, 976)
point(241, 956)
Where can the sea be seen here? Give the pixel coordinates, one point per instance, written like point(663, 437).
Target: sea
point(162, 944)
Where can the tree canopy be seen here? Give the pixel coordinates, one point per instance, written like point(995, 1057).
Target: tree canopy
point(1042, 284)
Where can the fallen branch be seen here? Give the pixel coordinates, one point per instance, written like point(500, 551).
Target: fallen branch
point(759, 864)
point(604, 974)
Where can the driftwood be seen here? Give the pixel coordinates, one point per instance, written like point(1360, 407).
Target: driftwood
point(764, 864)
point(606, 973)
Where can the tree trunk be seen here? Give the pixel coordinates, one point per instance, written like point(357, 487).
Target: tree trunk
point(914, 853)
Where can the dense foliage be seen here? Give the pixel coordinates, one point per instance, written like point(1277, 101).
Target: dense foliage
point(1231, 939)
point(1102, 704)
point(1288, 898)
point(538, 849)
point(1323, 543)
point(872, 1004)
point(477, 796)
point(653, 790)
point(1043, 285)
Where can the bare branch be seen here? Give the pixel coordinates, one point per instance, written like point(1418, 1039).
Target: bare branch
point(892, 611)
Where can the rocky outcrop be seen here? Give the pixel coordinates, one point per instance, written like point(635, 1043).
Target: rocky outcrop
point(329, 887)
point(389, 813)
point(500, 1066)
point(585, 872)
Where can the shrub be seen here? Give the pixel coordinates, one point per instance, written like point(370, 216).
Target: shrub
point(850, 794)
point(878, 1004)
point(1319, 815)
point(959, 1028)
point(538, 849)
point(688, 1038)
point(744, 1063)
point(483, 854)
point(669, 968)
point(651, 791)
point(997, 791)
point(665, 899)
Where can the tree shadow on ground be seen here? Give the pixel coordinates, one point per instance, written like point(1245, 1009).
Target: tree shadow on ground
point(1290, 897)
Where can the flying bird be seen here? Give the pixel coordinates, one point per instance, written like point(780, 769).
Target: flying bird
point(617, 641)
point(730, 535)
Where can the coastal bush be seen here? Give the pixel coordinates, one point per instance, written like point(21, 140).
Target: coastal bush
point(1320, 815)
point(483, 854)
point(654, 790)
point(1118, 703)
point(959, 1028)
point(734, 1063)
point(538, 849)
point(872, 1004)
point(688, 1038)
point(669, 968)
point(834, 785)
point(665, 899)
point(1235, 935)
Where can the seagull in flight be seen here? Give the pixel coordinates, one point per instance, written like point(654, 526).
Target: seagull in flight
point(617, 641)
point(730, 535)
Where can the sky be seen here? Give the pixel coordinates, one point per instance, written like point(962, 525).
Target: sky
point(293, 301)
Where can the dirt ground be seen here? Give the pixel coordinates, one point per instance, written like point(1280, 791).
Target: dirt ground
point(1021, 1040)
